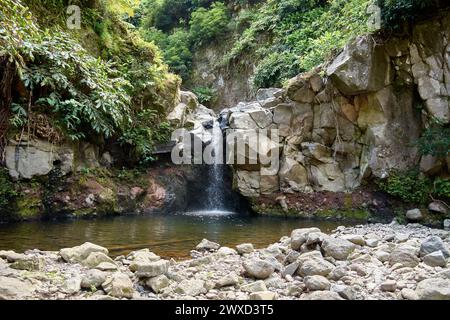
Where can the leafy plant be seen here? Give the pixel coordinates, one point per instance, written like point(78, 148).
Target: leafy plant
point(208, 24)
point(435, 141)
point(204, 94)
point(410, 186)
point(7, 189)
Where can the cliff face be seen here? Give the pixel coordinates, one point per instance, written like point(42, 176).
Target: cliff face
point(356, 119)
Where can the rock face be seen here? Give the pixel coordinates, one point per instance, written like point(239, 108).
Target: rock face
point(356, 123)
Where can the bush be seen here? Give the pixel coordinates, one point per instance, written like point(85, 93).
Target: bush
point(435, 141)
point(410, 186)
point(205, 95)
point(208, 24)
point(7, 189)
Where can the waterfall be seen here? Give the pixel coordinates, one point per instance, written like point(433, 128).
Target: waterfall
point(215, 190)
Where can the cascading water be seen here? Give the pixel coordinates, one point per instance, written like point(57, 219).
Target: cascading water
point(216, 199)
point(215, 189)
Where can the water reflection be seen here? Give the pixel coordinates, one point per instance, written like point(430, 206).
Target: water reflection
point(166, 235)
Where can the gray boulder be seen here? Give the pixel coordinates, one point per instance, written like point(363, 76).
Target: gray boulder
point(434, 289)
point(259, 269)
point(338, 248)
point(80, 253)
point(433, 244)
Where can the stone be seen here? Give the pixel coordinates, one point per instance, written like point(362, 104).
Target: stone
point(257, 268)
point(254, 286)
point(119, 285)
point(29, 264)
point(298, 89)
point(430, 165)
point(93, 279)
point(433, 244)
point(433, 289)
point(157, 284)
point(150, 269)
point(346, 292)
point(80, 253)
point(267, 93)
point(383, 256)
point(337, 248)
point(355, 238)
point(12, 256)
point(95, 258)
point(317, 283)
point(312, 263)
point(337, 273)
point(439, 108)
point(371, 242)
point(361, 67)
point(409, 294)
point(230, 279)
point(292, 175)
point(299, 236)
point(263, 295)
point(143, 255)
point(446, 224)
point(404, 255)
point(245, 248)
point(262, 117)
point(225, 251)
point(321, 295)
point(36, 157)
point(414, 215)
point(248, 182)
point(435, 259)
point(206, 245)
point(388, 285)
point(437, 207)
point(290, 269)
point(106, 266)
point(192, 287)
point(15, 289)
point(242, 120)
point(72, 285)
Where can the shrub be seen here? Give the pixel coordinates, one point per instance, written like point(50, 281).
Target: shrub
point(410, 186)
point(207, 24)
point(7, 189)
point(205, 95)
point(435, 141)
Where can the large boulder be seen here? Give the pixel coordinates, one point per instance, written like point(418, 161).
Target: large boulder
point(405, 255)
point(434, 289)
point(299, 236)
point(192, 287)
point(144, 269)
point(119, 285)
point(293, 175)
point(338, 248)
point(312, 263)
point(29, 159)
point(80, 253)
point(14, 289)
point(207, 245)
point(258, 268)
point(363, 66)
point(433, 244)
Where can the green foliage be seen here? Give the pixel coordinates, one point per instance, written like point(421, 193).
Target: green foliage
point(208, 24)
point(441, 187)
point(410, 186)
point(7, 189)
point(304, 33)
point(395, 13)
point(204, 94)
point(435, 141)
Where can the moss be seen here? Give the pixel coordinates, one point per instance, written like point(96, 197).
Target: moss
point(344, 214)
point(29, 206)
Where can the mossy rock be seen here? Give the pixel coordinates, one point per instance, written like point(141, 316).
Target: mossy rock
point(29, 206)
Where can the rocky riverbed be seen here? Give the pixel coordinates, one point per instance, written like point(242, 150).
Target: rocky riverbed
point(354, 263)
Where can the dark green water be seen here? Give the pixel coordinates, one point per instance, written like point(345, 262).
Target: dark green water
point(168, 235)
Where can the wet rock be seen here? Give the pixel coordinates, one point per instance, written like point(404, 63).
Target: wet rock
point(245, 248)
point(119, 285)
point(316, 282)
point(206, 245)
point(263, 295)
point(80, 253)
point(432, 244)
point(93, 279)
point(435, 259)
point(257, 268)
point(434, 289)
point(157, 284)
point(337, 248)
